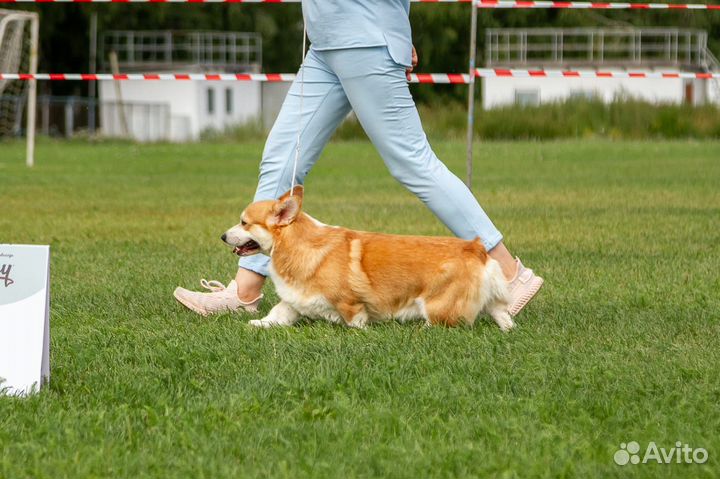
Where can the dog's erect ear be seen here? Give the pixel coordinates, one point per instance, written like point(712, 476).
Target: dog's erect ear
point(285, 211)
point(288, 207)
point(297, 191)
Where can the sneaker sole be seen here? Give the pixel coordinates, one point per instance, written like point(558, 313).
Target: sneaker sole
point(189, 305)
point(527, 297)
point(202, 312)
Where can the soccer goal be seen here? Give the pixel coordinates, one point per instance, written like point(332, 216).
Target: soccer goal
point(19, 32)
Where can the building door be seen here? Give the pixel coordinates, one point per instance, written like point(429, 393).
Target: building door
point(689, 93)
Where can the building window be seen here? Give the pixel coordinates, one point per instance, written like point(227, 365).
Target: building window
point(228, 101)
point(210, 101)
point(527, 97)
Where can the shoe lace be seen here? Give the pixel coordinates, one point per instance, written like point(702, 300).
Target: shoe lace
point(212, 285)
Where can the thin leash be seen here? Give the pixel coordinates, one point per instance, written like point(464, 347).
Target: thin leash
point(302, 95)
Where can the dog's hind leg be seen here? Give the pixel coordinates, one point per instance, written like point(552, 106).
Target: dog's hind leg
point(441, 311)
point(354, 315)
point(281, 315)
point(502, 318)
point(494, 289)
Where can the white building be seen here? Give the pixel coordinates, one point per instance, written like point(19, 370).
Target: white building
point(637, 50)
point(182, 110)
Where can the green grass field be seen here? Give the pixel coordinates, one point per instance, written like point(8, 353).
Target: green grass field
point(622, 344)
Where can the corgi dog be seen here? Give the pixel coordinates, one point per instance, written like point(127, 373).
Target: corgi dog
point(355, 278)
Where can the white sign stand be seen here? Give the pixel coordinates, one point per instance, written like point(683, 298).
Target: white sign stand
point(24, 318)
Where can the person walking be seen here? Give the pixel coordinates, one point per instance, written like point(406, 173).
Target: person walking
point(360, 58)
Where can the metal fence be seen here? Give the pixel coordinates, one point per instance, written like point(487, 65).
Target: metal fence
point(623, 47)
point(69, 116)
point(139, 121)
point(56, 116)
point(157, 50)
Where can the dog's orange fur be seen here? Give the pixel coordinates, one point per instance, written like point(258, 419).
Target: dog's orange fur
point(373, 275)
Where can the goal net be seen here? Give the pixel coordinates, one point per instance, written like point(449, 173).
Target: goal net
point(18, 54)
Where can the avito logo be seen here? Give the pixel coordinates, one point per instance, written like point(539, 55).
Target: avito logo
point(680, 454)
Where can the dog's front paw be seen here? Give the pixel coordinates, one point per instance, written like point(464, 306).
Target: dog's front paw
point(269, 323)
point(503, 319)
point(281, 315)
point(507, 326)
point(261, 323)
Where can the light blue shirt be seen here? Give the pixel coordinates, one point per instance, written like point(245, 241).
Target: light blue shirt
point(338, 24)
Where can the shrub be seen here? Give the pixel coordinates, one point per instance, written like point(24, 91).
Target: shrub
point(575, 118)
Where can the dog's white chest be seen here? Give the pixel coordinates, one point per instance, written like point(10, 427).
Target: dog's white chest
point(312, 306)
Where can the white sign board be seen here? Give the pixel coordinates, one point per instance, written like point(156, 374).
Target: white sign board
point(24, 318)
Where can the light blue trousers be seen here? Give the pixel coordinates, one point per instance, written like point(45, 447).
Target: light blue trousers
point(370, 83)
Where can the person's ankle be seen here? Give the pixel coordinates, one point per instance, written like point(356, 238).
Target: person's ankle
point(511, 272)
point(248, 295)
point(249, 285)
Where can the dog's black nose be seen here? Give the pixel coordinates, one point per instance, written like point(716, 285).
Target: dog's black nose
point(223, 237)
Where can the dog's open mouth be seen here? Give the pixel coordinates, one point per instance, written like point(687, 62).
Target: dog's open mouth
point(250, 247)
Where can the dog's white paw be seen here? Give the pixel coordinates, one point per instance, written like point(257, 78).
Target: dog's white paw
point(503, 319)
point(269, 323)
point(261, 323)
point(281, 315)
point(505, 327)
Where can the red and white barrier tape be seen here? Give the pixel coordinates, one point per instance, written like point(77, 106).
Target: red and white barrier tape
point(435, 78)
point(519, 4)
point(261, 77)
point(198, 1)
point(500, 72)
point(256, 77)
point(489, 4)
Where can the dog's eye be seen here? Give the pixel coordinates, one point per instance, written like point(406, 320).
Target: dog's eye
point(243, 222)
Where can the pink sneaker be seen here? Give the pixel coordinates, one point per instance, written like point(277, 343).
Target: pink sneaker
point(523, 288)
point(221, 299)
